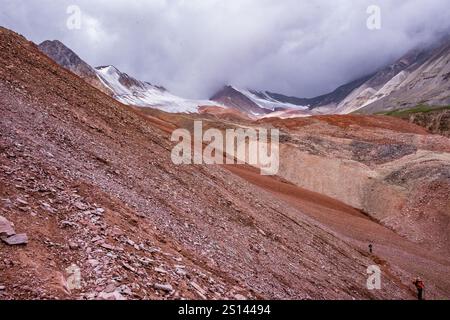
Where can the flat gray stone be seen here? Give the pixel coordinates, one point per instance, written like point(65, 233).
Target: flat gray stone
point(17, 239)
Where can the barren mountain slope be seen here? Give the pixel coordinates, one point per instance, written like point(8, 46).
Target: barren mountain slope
point(92, 184)
point(393, 170)
point(410, 234)
point(419, 77)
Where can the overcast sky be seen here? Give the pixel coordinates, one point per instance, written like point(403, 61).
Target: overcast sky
point(193, 47)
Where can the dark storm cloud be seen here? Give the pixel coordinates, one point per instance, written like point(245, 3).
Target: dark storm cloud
point(193, 47)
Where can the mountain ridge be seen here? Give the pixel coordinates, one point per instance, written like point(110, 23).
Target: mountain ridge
point(399, 85)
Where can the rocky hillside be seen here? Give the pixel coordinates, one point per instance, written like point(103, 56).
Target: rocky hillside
point(434, 119)
point(91, 184)
point(396, 172)
point(419, 77)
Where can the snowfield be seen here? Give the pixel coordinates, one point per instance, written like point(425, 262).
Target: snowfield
point(267, 102)
point(144, 94)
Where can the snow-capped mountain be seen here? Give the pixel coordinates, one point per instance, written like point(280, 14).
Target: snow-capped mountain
point(254, 102)
point(264, 102)
point(421, 76)
point(119, 85)
point(130, 91)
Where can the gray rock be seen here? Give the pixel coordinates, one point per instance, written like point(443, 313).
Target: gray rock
point(99, 211)
point(199, 289)
point(22, 202)
point(73, 245)
point(163, 287)
point(66, 224)
point(80, 205)
point(160, 270)
point(181, 272)
point(18, 239)
point(108, 246)
point(128, 267)
point(93, 262)
point(124, 290)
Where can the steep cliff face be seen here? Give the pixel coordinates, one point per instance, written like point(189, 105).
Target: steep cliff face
point(435, 121)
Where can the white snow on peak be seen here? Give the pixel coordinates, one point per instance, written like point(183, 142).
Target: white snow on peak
point(110, 77)
point(138, 93)
point(267, 102)
point(143, 94)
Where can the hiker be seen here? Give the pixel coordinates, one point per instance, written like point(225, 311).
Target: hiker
point(370, 248)
point(419, 286)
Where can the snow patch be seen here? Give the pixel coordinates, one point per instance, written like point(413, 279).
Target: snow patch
point(267, 102)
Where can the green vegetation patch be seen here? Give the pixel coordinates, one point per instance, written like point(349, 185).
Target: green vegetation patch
point(422, 108)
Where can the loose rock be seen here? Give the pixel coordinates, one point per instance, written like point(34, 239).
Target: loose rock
point(18, 239)
point(163, 287)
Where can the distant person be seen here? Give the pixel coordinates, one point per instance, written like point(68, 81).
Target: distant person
point(420, 286)
point(370, 248)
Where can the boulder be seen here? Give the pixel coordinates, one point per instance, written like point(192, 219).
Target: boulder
point(163, 287)
point(18, 239)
